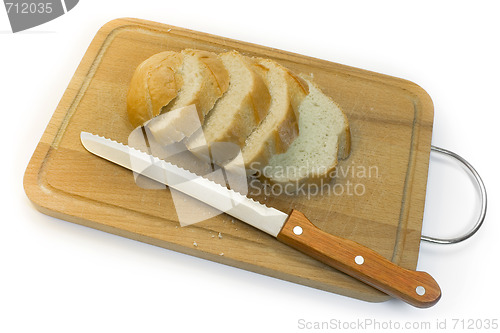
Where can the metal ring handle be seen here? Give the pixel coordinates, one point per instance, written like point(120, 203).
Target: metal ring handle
point(483, 197)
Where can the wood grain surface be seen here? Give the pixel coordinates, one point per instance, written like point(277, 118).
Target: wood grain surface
point(377, 199)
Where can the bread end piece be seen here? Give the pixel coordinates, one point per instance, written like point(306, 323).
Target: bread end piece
point(154, 84)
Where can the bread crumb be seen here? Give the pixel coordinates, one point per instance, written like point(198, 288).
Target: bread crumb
point(195, 244)
point(220, 235)
point(213, 236)
point(221, 254)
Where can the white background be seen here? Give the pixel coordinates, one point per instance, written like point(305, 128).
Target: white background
point(60, 277)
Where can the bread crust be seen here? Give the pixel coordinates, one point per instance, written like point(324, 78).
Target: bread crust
point(261, 145)
point(215, 81)
point(216, 68)
point(154, 84)
point(249, 104)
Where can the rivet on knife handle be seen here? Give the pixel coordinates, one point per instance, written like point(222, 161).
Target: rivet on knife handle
point(416, 288)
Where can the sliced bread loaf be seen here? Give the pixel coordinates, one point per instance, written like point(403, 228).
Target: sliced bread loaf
point(279, 128)
point(288, 130)
point(240, 110)
point(154, 84)
point(324, 138)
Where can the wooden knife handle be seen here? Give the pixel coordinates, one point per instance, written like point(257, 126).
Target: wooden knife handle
point(416, 288)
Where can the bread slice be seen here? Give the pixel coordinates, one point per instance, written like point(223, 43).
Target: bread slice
point(239, 111)
point(154, 84)
point(324, 138)
point(205, 80)
point(280, 126)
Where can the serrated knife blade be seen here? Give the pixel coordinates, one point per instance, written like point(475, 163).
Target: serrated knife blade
point(267, 219)
point(294, 229)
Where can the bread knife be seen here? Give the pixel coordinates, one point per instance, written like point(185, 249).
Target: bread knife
point(414, 287)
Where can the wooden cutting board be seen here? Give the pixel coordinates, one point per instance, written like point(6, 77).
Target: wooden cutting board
point(377, 199)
